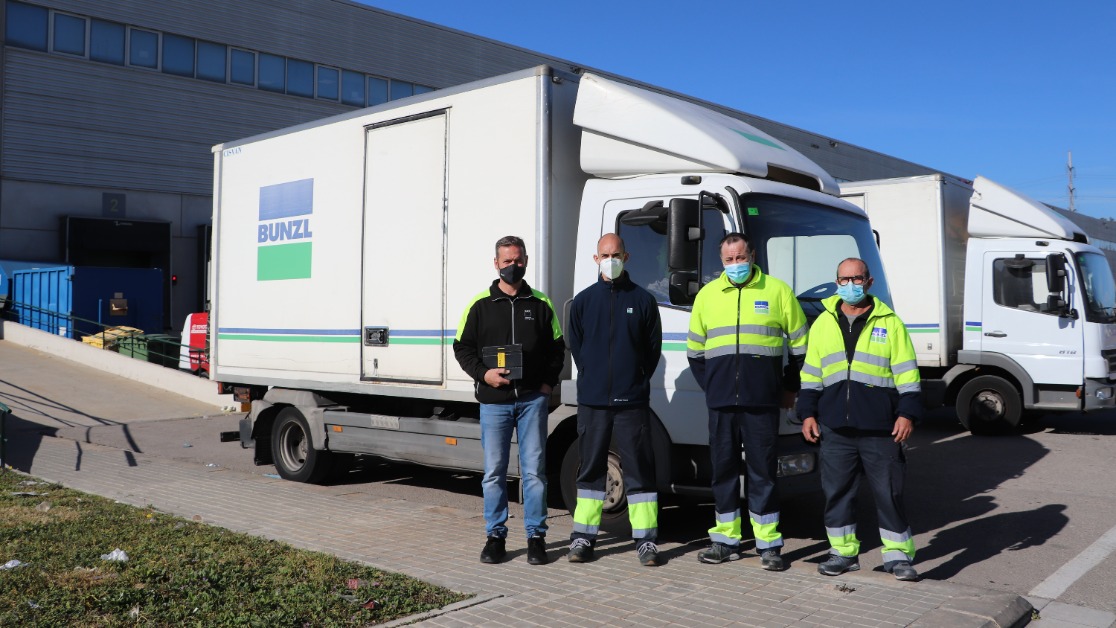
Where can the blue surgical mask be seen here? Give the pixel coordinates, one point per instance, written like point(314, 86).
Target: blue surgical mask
point(738, 273)
point(851, 293)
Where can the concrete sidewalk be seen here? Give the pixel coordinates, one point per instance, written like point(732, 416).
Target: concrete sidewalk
point(108, 443)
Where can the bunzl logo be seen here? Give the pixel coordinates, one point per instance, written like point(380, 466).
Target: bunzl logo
point(762, 307)
point(879, 334)
point(284, 232)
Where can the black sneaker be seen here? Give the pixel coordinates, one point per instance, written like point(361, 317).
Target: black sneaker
point(836, 565)
point(648, 554)
point(494, 551)
point(718, 553)
point(536, 551)
point(772, 560)
point(581, 551)
point(902, 570)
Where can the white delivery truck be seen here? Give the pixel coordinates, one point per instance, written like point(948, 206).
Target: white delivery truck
point(346, 251)
point(1010, 308)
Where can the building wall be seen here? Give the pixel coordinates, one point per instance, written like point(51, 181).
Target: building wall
point(73, 130)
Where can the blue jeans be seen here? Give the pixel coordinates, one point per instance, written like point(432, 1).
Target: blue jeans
point(527, 416)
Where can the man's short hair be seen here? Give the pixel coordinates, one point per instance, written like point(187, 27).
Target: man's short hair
point(511, 241)
point(867, 271)
point(733, 238)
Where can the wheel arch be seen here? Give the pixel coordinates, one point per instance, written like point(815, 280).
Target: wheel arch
point(979, 363)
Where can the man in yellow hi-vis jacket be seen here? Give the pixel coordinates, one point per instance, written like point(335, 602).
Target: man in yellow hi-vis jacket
point(735, 347)
point(861, 382)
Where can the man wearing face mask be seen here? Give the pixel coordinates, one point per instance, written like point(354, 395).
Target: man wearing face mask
point(616, 339)
point(509, 341)
point(861, 382)
point(735, 347)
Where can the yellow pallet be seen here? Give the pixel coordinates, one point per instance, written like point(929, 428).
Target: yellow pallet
point(109, 337)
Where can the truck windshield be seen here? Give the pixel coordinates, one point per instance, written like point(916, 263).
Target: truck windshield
point(1099, 288)
point(802, 243)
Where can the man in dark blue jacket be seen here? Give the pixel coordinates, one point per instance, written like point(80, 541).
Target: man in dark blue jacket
point(616, 339)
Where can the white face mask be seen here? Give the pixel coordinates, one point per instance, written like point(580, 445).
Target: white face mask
point(612, 267)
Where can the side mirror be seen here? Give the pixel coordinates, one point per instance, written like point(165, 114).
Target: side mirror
point(1056, 272)
point(685, 234)
point(683, 287)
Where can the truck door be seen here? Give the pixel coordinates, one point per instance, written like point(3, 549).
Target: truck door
point(1017, 322)
point(403, 301)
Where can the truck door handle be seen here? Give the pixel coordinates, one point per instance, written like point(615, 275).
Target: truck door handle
point(995, 334)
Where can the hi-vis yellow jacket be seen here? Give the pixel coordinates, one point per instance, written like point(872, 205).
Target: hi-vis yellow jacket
point(735, 344)
point(880, 383)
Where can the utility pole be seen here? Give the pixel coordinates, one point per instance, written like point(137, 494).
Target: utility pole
point(1072, 190)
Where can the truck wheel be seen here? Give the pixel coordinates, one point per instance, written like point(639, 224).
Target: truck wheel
point(291, 450)
point(614, 518)
point(988, 404)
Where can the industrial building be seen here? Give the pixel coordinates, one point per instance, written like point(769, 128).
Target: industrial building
point(110, 110)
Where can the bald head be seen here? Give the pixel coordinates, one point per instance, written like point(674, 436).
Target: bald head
point(610, 247)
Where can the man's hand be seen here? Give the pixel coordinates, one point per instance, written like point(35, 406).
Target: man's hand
point(810, 429)
point(903, 428)
point(788, 400)
point(546, 389)
point(495, 377)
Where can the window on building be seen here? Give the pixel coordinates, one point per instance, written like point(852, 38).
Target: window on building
point(273, 73)
point(300, 78)
point(243, 67)
point(106, 42)
point(401, 89)
point(377, 91)
point(352, 88)
point(69, 34)
point(422, 89)
point(26, 26)
point(212, 61)
point(178, 55)
point(143, 49)
point(327, 83)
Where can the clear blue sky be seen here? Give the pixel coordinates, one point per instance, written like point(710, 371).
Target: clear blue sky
point(991, 87)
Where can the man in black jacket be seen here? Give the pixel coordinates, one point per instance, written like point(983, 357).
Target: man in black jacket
point(616, 339)
point(509, 341)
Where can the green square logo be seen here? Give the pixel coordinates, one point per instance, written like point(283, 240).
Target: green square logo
point(283, 261)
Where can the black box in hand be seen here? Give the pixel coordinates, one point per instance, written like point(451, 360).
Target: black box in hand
point(508, 357)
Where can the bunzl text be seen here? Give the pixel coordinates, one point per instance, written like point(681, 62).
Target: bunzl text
point(283, 233)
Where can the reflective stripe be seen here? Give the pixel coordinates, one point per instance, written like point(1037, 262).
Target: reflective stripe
point(812, 385)
point(832, 358)
point(642, 498)
point(717, 332)
point(874, 360)
point(644, 534)
point(895, 555)
point(696, 338)
point(588, 494)
point(744, 350)
point(724, 540)
point(842, 531)
point(872, 380)
point(909, 388)
point(771, 517)
point(798, 333)
point(697, 355)
point(834, 378)
point(801, 350)
point(903, 367)
point(728, 517)
point(810, 369)
point(896, 537)
point(585, 528)
point(761, 330)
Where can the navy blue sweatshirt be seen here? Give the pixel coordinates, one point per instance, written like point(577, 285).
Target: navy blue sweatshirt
point(616, 338)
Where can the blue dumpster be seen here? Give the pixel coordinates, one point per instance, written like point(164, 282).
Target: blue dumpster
point(56, 299)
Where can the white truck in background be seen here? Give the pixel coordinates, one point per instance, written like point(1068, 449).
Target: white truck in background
point(1010, 308)
point(346, 250)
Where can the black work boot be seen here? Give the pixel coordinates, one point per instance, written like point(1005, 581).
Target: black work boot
point(536, 551)
point(494, 551)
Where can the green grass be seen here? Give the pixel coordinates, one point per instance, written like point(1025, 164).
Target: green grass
point(178, 572)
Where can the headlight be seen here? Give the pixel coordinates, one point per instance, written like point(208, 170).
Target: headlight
point(1104, 393)
point(797, 464)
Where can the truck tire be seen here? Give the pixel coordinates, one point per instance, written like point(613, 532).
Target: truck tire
point(614, 518)
point(291, 450)
point(989, 404)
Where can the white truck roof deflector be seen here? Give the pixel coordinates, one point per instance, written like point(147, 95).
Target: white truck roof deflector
point(629, 131)
point(998, 212)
